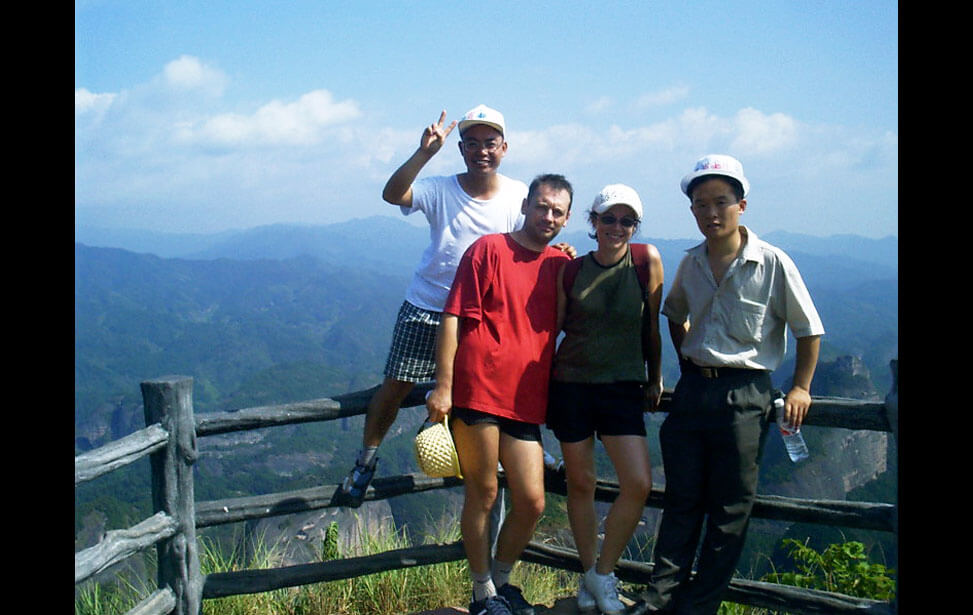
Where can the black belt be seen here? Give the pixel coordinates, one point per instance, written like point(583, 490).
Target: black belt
point(718, 372)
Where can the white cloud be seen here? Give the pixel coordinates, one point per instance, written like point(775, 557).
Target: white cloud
point(599, 105)
point(89, 102)
point(756, 132)
point(666, 96)
point(189, 73)
point(175, 143)
point(301, 122)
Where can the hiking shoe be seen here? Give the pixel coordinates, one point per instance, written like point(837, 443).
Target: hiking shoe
point(356, 483)
point(586, 602)
point(494, 605)
point(602, 588)
point(515, 597)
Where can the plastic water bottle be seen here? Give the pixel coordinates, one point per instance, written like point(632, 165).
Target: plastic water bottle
point(793, 440)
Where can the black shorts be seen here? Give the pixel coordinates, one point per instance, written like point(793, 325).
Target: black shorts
point(511, 427)
point(577, 411)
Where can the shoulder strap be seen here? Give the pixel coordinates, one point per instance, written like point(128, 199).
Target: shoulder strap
point(640, 258)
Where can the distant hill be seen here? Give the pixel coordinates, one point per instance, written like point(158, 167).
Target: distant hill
point(392, 241)
point(256, 300)
point(224, 322)
point(286, 313)
point(241, 294)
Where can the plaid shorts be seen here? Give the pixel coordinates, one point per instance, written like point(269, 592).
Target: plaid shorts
point(412, 357)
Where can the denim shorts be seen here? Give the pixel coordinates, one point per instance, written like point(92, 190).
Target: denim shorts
point(576, 411)
point(412, 357)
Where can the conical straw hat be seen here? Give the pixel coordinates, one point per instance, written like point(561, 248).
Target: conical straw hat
point(435, 450)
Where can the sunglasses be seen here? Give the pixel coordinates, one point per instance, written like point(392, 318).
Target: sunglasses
point(609, 220)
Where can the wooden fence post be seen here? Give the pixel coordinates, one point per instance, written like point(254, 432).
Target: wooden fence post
point(169, 401)
point(892, 412)
point(892, 400)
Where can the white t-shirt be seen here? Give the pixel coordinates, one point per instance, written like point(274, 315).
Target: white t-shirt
point(456, 220)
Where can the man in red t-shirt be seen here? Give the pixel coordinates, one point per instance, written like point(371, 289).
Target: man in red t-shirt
point(493, 357)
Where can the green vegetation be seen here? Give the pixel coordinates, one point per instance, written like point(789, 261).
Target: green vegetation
point(841, 568)
point(392, 592)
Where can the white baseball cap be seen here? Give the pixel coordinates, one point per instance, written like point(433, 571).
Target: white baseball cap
point(481, 114)
point(615, 194)
point(716, 164)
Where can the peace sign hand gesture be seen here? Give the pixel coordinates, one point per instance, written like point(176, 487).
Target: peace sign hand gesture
point(434, 135)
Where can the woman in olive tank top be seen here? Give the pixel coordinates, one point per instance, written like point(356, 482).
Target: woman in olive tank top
point(606, 373)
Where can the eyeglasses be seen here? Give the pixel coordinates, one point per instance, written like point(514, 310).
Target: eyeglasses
point(475, 146)
point(609, 220)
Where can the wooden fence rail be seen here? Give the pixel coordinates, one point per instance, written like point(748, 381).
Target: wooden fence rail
point(170, 441)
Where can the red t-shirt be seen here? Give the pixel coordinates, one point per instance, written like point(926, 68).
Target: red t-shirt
point(506, 296)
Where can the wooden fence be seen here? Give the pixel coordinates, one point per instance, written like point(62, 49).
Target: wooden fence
point(170, 441)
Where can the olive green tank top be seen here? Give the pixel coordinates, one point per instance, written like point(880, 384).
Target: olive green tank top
point(602, 325)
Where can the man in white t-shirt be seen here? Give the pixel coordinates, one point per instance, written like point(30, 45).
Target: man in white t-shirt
point(459, 208)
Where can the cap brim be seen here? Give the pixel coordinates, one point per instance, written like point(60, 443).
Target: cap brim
point(688, 179)
point(470, 123)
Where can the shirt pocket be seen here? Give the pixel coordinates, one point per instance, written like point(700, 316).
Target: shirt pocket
point(746, 321)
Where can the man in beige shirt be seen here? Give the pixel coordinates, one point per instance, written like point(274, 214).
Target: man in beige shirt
point(731, 300)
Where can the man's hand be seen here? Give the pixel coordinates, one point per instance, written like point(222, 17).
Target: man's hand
point(434, 135)
point(653, 395)
point(566, 248)
point(439, 401)
point(796, 405)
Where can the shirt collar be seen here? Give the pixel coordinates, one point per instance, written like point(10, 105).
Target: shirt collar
point(750, 251)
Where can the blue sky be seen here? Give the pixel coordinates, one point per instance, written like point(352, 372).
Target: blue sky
point(210, 116)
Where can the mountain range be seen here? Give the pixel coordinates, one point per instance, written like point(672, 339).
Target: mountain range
point(364, 265)
point(285, 313)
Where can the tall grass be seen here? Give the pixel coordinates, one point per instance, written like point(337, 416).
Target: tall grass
point(407, 590)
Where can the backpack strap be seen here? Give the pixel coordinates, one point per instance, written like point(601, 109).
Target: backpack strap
point(640, 258)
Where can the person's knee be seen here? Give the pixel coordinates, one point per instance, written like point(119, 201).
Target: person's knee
point(638, 487)
point(393, 390)
point(481, 496)
point(580, 482)
point(528, 506)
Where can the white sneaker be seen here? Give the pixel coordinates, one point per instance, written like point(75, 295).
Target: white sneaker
point(586, 602)
point(602, 588)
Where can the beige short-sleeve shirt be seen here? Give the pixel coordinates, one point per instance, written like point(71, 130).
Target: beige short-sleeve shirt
point(741, 321)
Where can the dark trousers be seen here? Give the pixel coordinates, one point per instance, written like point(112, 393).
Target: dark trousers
point(711, 442)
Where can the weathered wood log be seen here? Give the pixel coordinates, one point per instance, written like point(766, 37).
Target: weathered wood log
point(216, 512)
point(118, 545)
point(846, 413)
point(860, 515)
point(159, 602)
point(742, 591)
point(244, 419)
point(323, 409)
point(168, 401)
point(825, 411)
point(222, 584)
point(119, 453)
point(892, 400)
